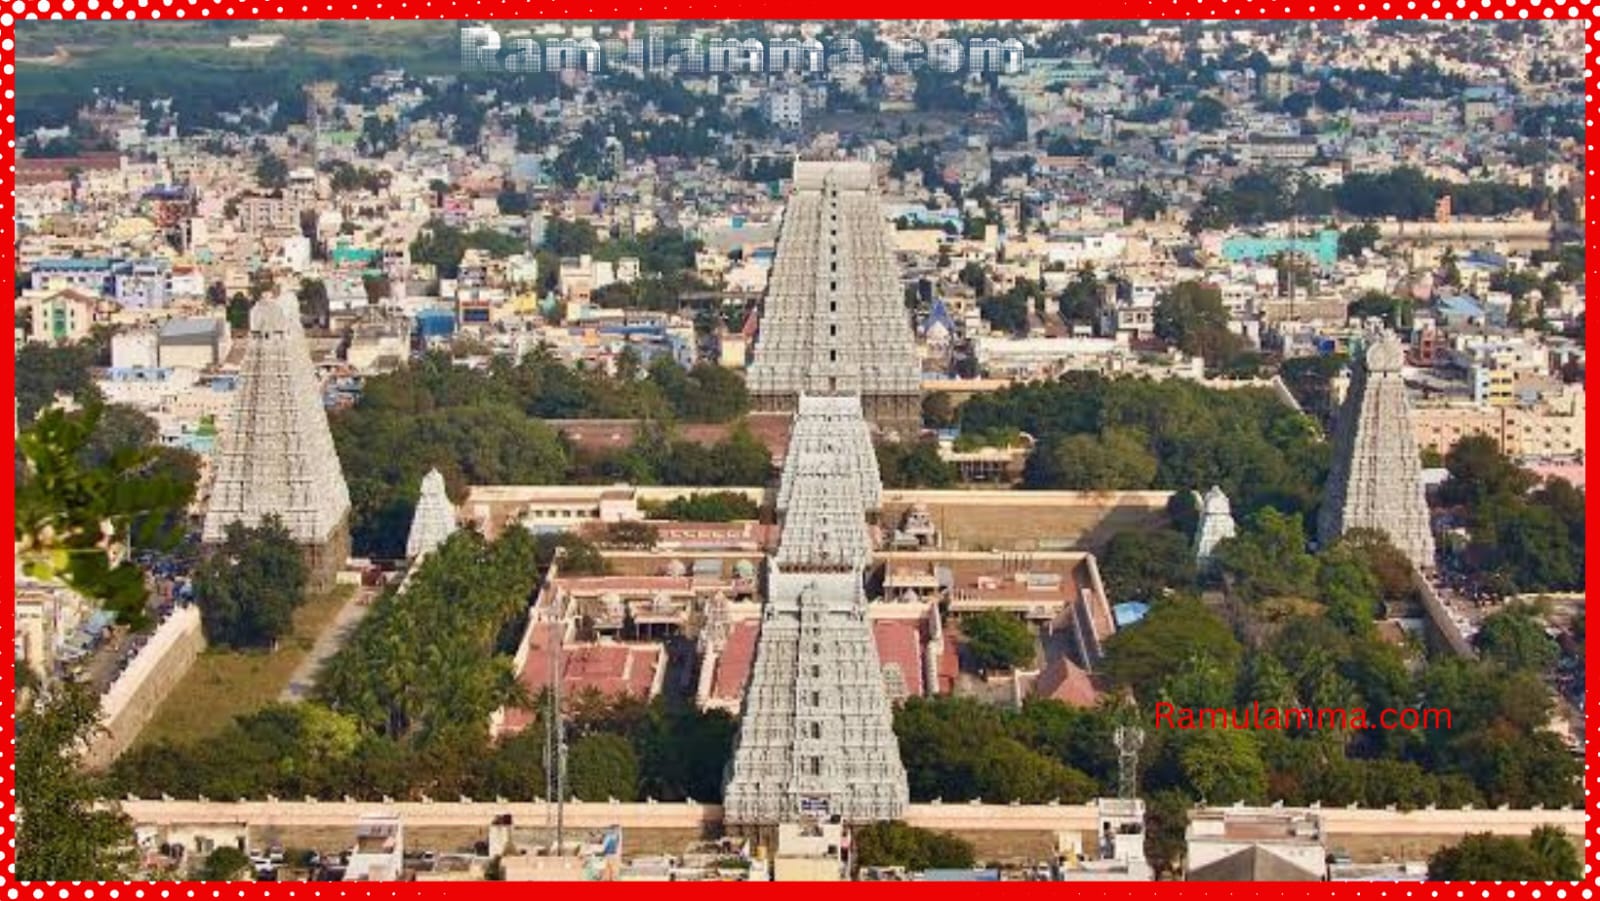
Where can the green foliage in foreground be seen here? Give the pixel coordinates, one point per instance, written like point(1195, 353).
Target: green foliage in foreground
point(61, 834)
point(75, 519)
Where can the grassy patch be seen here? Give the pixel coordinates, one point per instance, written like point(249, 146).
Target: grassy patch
point(224, 684)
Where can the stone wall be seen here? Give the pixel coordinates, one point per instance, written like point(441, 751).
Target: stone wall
point(1444, 627)
point(976, 818)
point(133, 698)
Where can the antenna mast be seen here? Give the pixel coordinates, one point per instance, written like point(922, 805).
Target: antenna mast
point(1128, 739)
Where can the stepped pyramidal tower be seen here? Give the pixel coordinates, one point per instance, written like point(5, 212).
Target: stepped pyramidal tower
point(1376, 480)
point(1216, 524)
point(835, 321)
point(277, 456)
point(816, 739)
point(434, 520)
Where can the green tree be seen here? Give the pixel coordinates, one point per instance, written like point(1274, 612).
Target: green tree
point(1007, 770)
point(63, 831)
point(1115, 460)
point(1394, 311)
point(1190, 315)
point(602, 766)
point(239, 312)
point(914, 464)
point(998, 640)
point(1349, 587)
point(1166, 829)
point(937, 411)
point(1357, 239)
point(249, 587)
point(1080, 303)
point(313, 297)
point(272, 173)
point(471, 598)
point(75, 518)
point(1006, 313)
point(512, 202)
point(716, 506)
point(44, 372)
point(1268, 558)
point(1206, 114)
point(1222, 766)
point(894, 844)
point(1489, 857)
point(1142, 564)
point(1515, 636)
point(1144, 656)
point(225, 864)
point(1557, 853)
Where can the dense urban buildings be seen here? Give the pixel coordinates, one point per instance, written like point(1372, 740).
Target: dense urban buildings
point(808, 473)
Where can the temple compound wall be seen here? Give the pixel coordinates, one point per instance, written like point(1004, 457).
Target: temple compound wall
point(131, 701)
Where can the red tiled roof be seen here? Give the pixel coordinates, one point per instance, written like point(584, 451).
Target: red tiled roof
point(900, 644)
point(1065, 681)
point(734, 663)
point(611, 669)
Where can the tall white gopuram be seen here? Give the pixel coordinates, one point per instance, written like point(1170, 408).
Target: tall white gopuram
point(1216, 524)
point(1376, 479)
point(277, 456)
point(434, 520)
point(816, 739)
point(834, 320)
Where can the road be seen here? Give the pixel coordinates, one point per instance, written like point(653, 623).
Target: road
point(328, 644)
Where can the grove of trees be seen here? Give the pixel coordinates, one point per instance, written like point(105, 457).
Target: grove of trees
point(1525, 536)
point(486, 427)
point(1174, 434)
point(1547, 855)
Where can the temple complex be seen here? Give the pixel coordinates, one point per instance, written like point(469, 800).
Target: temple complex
point(1376, 480)
point(277, 457)
point(834, 320)
point(816, 737)
point(434, 520)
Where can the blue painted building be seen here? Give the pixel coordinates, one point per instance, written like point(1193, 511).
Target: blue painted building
point(1323, 248)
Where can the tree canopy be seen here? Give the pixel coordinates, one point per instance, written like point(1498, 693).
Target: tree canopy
point(894, 844)
point(1547, 855)
point(1244, 440)
point(63, 833)
point(249, 586)
point(998, 640)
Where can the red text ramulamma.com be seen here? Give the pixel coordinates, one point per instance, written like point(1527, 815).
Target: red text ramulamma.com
point(1255, 716)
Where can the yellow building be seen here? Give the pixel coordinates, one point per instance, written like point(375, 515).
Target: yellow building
point(1552, 427)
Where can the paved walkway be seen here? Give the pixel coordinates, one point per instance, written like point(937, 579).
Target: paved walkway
point(328, 643)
